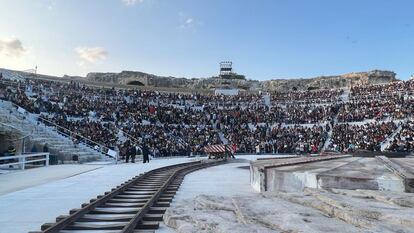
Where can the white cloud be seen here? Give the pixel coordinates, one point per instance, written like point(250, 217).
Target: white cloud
point(91, 54)
point(131, 2)
point(189, 21)
point(51, 5)
point(186, 22)
point(11, 47)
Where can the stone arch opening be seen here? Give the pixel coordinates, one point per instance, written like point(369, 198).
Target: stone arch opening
point(135, 83)
point(312, 88)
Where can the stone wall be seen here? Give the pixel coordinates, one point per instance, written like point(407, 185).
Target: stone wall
point(10, 138)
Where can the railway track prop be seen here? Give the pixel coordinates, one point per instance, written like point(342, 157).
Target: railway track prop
point(135, 206)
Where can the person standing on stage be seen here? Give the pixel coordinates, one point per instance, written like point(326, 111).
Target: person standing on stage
point(126, 151)
point(132, 152)
point(145, 152)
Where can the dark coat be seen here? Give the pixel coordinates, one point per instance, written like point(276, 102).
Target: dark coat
point(132, 150)
point(145, 150)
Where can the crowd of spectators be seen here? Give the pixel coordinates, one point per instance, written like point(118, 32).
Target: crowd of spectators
point(183, 123)
point(309, 97)
point(278, 139)
point(404, 139)
point(385, 90)
point(394, 108)
point(83, 130)
point(348, 137)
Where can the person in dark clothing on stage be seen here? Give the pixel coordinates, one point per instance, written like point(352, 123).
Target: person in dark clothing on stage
point(127, 155)
point(125, 150)
point(132, 153)
point(145, 152)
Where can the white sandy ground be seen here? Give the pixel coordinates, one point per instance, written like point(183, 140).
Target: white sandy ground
point(26, 210)
point(32, 197)
point(22, 179)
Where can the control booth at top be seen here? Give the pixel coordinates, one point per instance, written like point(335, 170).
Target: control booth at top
point(226, 69)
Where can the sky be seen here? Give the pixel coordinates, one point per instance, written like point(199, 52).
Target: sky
point(265, 39)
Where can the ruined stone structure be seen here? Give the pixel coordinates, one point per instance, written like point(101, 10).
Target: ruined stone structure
point(324, 82)
point(140, 79)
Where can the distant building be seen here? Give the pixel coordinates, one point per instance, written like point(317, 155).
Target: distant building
point(226, 69)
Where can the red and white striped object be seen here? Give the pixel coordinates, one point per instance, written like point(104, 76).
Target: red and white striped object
point(217, 149)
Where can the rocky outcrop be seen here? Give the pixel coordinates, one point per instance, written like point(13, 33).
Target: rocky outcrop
point(323, 82)
point(308, 211)
point(329, 82)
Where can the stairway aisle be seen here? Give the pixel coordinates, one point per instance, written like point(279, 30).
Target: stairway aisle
point(40, 134)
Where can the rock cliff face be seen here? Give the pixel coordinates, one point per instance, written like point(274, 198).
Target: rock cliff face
point(317, 211)
point(323, 82)
point(328, 82)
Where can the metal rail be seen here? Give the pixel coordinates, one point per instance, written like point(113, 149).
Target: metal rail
point(72, 133)
point(153, 189)
point(62, 130)
point(24, 159)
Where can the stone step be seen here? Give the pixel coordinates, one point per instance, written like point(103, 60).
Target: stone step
point(83, 153)
point(58, 145)
point(41, 139)
point(70, 150)
point(41, 134)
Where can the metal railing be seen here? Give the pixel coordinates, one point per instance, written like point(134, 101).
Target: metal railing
point(24, 159)
point(71, 134)
point(130, 136)
point(125, 134)
point(68, 133)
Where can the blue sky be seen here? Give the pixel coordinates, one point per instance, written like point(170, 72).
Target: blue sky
point(188, 38)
